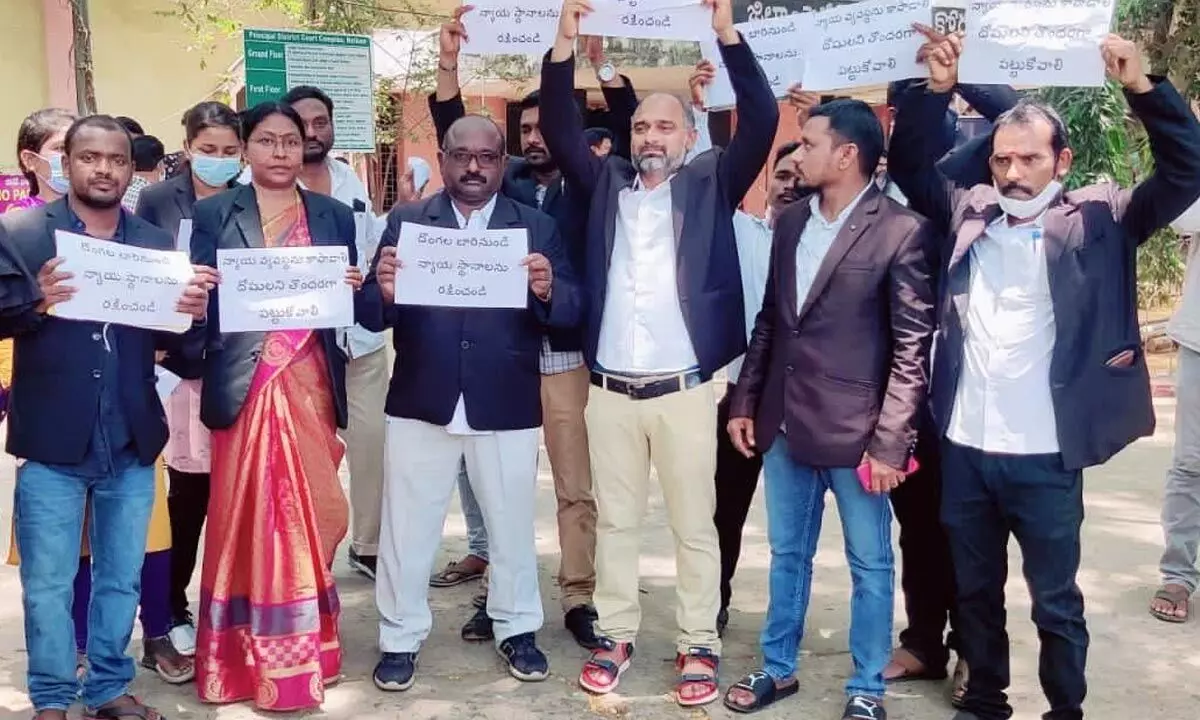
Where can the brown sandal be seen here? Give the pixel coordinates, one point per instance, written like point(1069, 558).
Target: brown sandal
point(116, 710)
point(457, 573)
point(1178, 598)
point(160, 655)
point(911, 667)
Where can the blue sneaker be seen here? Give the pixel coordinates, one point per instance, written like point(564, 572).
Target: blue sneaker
point(395, 671)
point(525, 661)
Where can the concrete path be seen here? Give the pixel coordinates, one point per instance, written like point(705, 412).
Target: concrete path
point(1139, 667)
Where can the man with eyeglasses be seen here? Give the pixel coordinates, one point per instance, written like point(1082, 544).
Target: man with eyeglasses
point(466, 385)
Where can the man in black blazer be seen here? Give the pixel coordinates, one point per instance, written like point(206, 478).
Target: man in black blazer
point(535, 180)
point(1038, 369)
point(665, 312)
point(465, 382)
point(87, 425)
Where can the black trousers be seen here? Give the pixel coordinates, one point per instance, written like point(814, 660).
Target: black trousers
point(927, 572)
point(985, 498)
point(187, 504)
point(736, 480)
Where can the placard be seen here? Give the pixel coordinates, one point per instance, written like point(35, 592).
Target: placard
point(776, 42)
point(504, 28)
point(649, 19)
point(867, 43)
point(1035, 42)
point(448, 267)
point(123, 284)
point(295, 288)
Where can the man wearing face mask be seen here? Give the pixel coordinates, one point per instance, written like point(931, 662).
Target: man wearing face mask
point(1039, 370)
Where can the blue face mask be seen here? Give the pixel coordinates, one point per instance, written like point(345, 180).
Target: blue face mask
point(215, 171)
point(58, 179)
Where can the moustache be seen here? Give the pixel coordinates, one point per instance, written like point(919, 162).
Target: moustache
point(472, 177)
point(1008, 189)
point(653, 148)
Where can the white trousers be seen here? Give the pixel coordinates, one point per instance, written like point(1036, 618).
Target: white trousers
point(421, 469)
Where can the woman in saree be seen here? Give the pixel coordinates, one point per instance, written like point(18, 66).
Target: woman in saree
point(268, 621)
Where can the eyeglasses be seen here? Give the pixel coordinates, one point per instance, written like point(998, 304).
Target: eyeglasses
point(462, 158)
point(270, 143)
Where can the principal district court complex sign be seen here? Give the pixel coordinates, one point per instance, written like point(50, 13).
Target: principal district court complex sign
point(340, 65)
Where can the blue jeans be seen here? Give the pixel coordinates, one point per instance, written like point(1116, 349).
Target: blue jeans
point(49, 524)
point(477, 537)
point(795, 503)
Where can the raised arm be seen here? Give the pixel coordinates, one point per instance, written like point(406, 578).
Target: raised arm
point(618, 95)
point(445, 102)
point(990, 101)
point(561, 124)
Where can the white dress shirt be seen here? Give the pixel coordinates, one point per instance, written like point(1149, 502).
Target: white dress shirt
point(642, 328)
point(753, 237)
point(478, 221)
point(346, 188)
point(816, 239)
point(1003, 402)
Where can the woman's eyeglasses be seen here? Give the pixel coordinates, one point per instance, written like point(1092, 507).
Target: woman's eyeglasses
point(270, 143)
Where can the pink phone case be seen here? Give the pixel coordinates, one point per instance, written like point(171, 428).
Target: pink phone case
point(864, 473)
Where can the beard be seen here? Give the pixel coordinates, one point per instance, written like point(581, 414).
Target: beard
point(98, 202)
point(665, 163)
point(313, 155)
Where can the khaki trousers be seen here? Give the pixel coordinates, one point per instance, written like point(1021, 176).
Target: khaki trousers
point(678, 433)
point(564, 397)
point(366, 391)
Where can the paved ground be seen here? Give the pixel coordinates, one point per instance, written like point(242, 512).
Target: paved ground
point(1139, 667)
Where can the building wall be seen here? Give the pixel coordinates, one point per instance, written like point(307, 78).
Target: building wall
point(23, 59)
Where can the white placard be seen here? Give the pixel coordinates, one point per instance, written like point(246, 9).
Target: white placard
point(500, 27)
point(295, 288)
point(867, 43)
point(649, 19)
point(1035, 42)
point(776, 42)
point(448, 267)
point(123, 284)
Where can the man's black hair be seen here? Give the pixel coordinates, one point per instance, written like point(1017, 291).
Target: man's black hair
point(148, 152)
point(853, 121)
point(100, 122)
point(783, 151)
point(596, 135)
point(308, 92)
point(531, 100)
point(133, 127)
point(1026, 112)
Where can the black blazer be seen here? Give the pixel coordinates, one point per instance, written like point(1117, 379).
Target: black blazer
point(1091, 237)
point(231, 220)
point(490, 356)
point(705, 193)
point(55, 394)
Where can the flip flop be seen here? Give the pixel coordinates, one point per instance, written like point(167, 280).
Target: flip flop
point(1177, 598)
point(911, 667)
point(764, 689)
point(454, 574)
point(958, 691)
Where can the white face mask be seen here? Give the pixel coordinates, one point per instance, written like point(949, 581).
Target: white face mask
point(1023, 209)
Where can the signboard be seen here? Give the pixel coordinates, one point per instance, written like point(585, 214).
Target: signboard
point(648, 19)
point(777, 44)
point(13, 189)
point(868, 43)
point(448, 267)
point(340, 65)
point(499, 27)
point(292, 288)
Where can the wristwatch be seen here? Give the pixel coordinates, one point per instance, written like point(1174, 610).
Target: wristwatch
point(607, 72)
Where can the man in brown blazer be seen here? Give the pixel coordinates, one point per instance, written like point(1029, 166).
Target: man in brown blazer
point(835, 374)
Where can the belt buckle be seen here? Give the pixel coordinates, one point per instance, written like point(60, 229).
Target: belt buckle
point(633, 388)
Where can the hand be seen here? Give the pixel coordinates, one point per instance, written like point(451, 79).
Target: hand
point(194, 300)
point(541, 276)
point(568, 20)
point(803, 102)
point(451, 37)
point(50, 284)
point(701, 77)
point(385, 273)
point(884, 477)
point(722, 21)
point(1123, 63)
point(941, 53)
point(354, 278)
point(741, 432)
point(593, 48)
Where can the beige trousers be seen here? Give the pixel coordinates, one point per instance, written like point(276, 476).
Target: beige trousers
point(366, 391)
point(564, 397)
point(678, 433)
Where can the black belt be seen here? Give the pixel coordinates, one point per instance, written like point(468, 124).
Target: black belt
point(650, 388)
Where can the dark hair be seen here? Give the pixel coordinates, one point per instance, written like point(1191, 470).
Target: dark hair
point(133, 127)
point(785, 150)
point(35, 130)
point(210, 114)
point(255, 116)
point(99, 122)
point(596, 135)
point(308, 92)
point(853, 121)
point(531, 100)
point(148, 152)
point(1025, 112)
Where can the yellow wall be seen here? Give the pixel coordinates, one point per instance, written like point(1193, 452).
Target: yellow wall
point(23, 64)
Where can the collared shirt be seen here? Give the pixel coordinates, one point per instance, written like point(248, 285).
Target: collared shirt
point(554, 362)
point(816, 239)
point(479, 220)
point(1003, 402)
point(137, 184)
point(346, 188)
point(753, 237)
point(110, 449)
point(642, 328)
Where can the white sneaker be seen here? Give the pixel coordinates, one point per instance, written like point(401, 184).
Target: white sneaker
point(183, 637)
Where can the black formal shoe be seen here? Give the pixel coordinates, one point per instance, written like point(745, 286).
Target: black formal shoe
point(479, 627)
point(863, 707)
point(364, 564)
point(395, 672)
point(581, 622)
point(722, 621)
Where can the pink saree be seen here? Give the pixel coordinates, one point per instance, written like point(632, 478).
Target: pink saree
point(268, 629)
